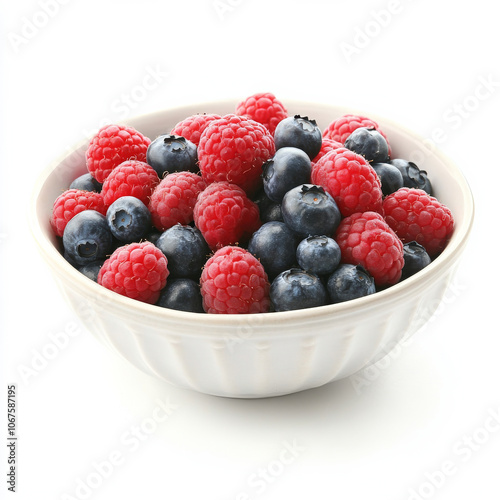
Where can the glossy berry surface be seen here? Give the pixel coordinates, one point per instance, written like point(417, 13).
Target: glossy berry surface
point(86, 182)
point(182, 294)
point(413, 177)
point(416, 258)
point(172, 153)
point(318, 254)
point(297, 289)
point(128, 219)
point(369, 143)
point(349, 282)
point(308, 210)
point(390, 177)
point(299, 132)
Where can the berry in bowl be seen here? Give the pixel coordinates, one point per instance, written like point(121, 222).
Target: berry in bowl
point(252, 248)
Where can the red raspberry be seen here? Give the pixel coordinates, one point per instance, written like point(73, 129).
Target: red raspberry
point(112, 145)
point(327, 145)
point(417, 216)
point(130, 178)
point(192, 127)
point(71, 202)
point(366, 239)
point(233, 149)
point(341, 128)
point(350, 180)
point(233, 281)
point(173, 199)
point(225, 215)
point(137, 270)
point(263, 108)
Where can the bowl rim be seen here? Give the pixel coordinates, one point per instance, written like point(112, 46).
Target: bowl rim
point(131, 307)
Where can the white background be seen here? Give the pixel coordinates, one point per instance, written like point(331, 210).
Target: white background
point(422, 427)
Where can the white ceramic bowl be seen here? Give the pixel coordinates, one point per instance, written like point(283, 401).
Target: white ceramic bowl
point(261, 355)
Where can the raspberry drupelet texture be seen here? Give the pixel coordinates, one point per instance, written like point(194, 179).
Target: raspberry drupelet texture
point(350, 180)
point(136, 270)
point(173, 200)
point(414, 215)
point(264, 108)
point(366, 239)
point(130, 178)
point(341, 128)
point(112, 145)
point(233, 281)
point(225, 215)
point(71, 202)
point(233, 149)
point(327, 145)
point(193, 126)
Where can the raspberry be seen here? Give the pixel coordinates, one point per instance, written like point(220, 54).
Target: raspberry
point(130, 178)
point(192, 127)
point(263, 108)
point(225, 215)
point(327, 145)
point(233, 149)
point(417, 216)
point(233, 281)
point(112, 145)
point(172, 201)
point(341, 128)
point(136, 270)
point(71, 202)
point(350, 180)
point(366, 239)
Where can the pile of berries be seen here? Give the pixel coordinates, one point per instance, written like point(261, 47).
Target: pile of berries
point(249, 212)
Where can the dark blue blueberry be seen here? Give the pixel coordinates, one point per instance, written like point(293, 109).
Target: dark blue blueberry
point(318, 254)
point(182, 294)
point(172, 153)
point(299, 132)
point(153, 235)
point(268, 209)
point(415, 257)
point(309, 211)
point(86, 183)
point(297, 289)
point(390, 177)
point(288, 168)
point(349, 282)
point(370, 143)
point(128, 219)
point(87, 237)
point(413, 177)
point(91, 270)
point(186, 250)
point(274, 244)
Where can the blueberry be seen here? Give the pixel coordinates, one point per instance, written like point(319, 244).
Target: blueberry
point(415, 257)
point(268, 209)
point(309, 210)
point(413, 177)
point(288, 168)
point(297, 289)
point(370, 143)
point(128, 219)
point(91, 270)
point(318, 254)
point(182, 294)
point(186, 250)
point(390, 177)
point(87, 237)
point(349, 282)
point(299, 132)
point(172, 153)
point(153, 235)
point(86, 183)
point(274, 244)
